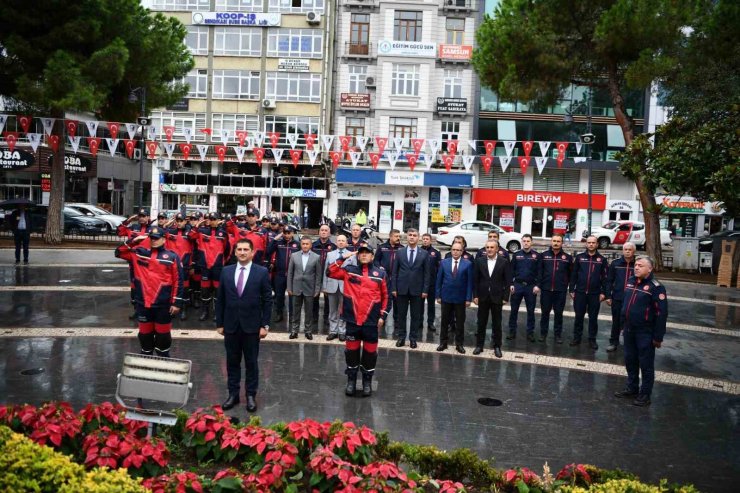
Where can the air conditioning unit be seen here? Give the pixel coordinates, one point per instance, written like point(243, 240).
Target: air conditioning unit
point(269, 104)
point(313, 18)
point(369, 81)
point(137, 154)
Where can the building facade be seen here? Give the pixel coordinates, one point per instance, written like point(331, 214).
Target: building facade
point(404, 73)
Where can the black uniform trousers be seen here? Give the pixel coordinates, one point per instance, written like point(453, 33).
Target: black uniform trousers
point(616, 322)
point(431, 303)
point(403, 303)
point(448, 310)
point(639, 356)
point(240, 344)
point(279, 286)
point(486, 307)
point(586, 303)
point(22, 238)
point(552, 301)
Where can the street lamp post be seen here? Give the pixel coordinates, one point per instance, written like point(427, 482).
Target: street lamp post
point(143, 122)
point(587, 143)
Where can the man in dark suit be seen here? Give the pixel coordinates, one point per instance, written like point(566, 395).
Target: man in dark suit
point(454, 288)
point(243, 309)
point(20, 224)
point(410, 286)
point(491, 283)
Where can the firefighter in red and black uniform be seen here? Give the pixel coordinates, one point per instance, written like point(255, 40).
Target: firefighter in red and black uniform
point(157, 289)
point(236, 233)
point(280, 250)
point(213, 246)
point(131, 230)
point(193, 220)
point(364, 309)
point(179, 242)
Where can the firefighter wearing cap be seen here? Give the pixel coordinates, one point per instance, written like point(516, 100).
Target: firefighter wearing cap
point(157, 289)
point(258, 240)
point(162, 220)
point(365, 308)
point(213, 246)
point(131, 230)
point(275, 228)
point(281, 248)
point(193, 219)
point(179, 242)
point(644, 316)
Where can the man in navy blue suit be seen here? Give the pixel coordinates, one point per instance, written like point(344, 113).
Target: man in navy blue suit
point(410, 285)
point(454, 290)
point(243, 309)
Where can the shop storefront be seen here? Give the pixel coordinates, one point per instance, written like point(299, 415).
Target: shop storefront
point(686, 216)
point(622, 210)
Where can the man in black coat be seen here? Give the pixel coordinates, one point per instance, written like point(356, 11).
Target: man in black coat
point(20, 224)
point(491, 289)
point(411, 277)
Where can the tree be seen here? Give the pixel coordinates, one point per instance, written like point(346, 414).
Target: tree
point(532, 50)
point(87, 56)
point(698, 151)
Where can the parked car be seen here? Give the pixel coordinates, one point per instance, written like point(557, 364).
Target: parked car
point(113, 220)
point(476, 234)
point(75, 222)
point(706, 243)
point(620, 232)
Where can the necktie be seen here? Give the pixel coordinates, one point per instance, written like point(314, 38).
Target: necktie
point(411, 257)
point(240, 282)
point(454, 269)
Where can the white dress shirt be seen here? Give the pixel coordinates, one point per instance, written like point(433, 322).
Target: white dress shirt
point(239, 267)
point(491, 265)
point(22, 220)
point(304, 259)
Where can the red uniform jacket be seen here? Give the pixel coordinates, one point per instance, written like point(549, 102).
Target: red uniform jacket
point(365, 292)
point(157, 275)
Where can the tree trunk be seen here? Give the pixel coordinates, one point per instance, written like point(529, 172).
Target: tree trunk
point(650, 209)
point(54, 223)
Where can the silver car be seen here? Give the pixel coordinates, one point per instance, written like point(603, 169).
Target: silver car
point(112, 220)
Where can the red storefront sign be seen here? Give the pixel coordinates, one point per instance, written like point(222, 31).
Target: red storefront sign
point(506, 219)
point(524, 198)
point(46, 182)
point(354, 100)
point(455, 52)
point(561, 222)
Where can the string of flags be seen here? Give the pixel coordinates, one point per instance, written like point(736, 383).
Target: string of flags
point(336, 147)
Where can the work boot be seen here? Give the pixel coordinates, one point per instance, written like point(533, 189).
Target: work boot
point(183, 313)
point(205, 311)
point(367, 384)
point(195, 299)
point(351, 381)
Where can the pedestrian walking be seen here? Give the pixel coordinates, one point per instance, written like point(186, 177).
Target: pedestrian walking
point(644, 315)
point(304, 286)
point(454, 288)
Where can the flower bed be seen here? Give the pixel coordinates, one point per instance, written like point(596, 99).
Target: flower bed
point(97, 449)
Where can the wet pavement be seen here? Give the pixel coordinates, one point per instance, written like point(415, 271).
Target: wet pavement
point(549, 414)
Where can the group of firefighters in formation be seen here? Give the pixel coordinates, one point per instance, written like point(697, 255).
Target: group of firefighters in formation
point(176, 264)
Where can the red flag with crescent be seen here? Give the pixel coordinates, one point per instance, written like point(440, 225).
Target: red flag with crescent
point(113, 128)
point(527, 145)
point(11, 138)
point(130, 145)
point(452, 147)
point(561, 147)
point(169, 131)
point(220, 152)
point(151, 148)
point(93, 143)
point(274, 138)
point(25, 122)
point(412, 159)
point(186, 148)
point(335, 157)
point(344, 141)
point(241, 135)
point(523, 163)
point(295, 156)
point(310, 141)
point(487, 161)
point(448, 161)
point(381, 143)
point(374, 158)
point(417, 145)
point(259, 154)
point(207, 131)
point(71, 127)
point(54, 142)
point(490, 146)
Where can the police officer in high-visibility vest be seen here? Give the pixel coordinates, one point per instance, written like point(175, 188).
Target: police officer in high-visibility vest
point(644, 315)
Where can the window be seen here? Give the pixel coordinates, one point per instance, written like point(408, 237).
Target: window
point(355, 127)
point(359, 34)
point(455, 31)
point(293, 86)
point(407, 25)
point(236, 84)
point(197, 40)
point(296, 6)
point(294, 125)
point(453, 83)
point(232, 122)
point(239, 5)
point(450, 131)
point(403, 127)
point(405, 80)
point(304, 43)
point(180, 4)
point(245, 41)
point(197, 81)
point(178, 120)
point(357, 76)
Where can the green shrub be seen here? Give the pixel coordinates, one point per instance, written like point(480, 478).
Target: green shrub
point(629, 486)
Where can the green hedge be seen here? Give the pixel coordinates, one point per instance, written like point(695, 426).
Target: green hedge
point(27, 466)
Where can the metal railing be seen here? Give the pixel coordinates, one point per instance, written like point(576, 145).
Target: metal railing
point(358, 49)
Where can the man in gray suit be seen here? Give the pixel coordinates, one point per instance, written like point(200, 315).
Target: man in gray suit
point(304, 284)
point(334, 289)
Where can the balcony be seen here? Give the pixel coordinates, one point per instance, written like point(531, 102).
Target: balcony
point(457, 6)
point(359, 51)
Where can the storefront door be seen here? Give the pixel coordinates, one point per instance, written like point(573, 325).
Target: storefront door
point(538, 222)
point(411, 215)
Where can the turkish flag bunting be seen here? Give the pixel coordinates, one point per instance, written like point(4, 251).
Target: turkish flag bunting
point(452, 147)
point(241, 135)
point(113, 128)
point(54, 142)
point(527, 145)
point(259, 155)
point(25, 122)
point(11, 138)
point(487, 161)
point(169, 132)
point(151, 148)
point(561, 147)
point(93, 143)
point(310, 141)
point(71, 127)
point(448, 161)
point(374, 158)
point(274, 138)
point(221, 152)
point(186, 148)
point(490, 146)
point(381, 143)
point(344, 141)
point(335, 157)
point(130, 145)
point(412, 158)
point(523, 163)
point(295, 156)
point(418, 145)
point(206, 131)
